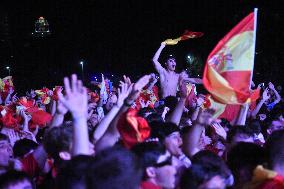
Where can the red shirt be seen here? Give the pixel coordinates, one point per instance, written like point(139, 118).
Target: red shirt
point(148, 185)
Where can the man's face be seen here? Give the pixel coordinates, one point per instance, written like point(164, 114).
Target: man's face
point(165, 171)
point(5, 153)
point(171, 64)
point(173, 143)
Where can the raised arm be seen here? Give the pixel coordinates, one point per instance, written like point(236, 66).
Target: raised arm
point(265, 96)
point(111, 135)
point(76, 101)
point(175, 116)
point(278, 97)
point(123, 92)
point(155, 59)
point(192, 137)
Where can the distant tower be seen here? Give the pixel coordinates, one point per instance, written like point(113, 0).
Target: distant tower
point(41, 28)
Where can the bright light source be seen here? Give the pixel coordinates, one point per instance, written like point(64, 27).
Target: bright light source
point(7, 67)
point(111, 75)
point(81, 62)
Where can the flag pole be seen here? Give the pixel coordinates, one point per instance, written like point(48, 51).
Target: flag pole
point(254, 42)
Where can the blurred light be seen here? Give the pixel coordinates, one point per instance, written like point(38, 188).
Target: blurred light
point(7, 67)
point(81, 62)
point(111, 75)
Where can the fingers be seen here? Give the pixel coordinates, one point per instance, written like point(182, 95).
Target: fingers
point(67, 86)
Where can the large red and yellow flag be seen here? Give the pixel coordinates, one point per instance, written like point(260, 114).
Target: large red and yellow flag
point(229, 66)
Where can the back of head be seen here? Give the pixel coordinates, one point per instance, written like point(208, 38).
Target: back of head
point(56, 140)
point(197, 175)
point(23, 146)
point(12, 179)
point(239, 134)
point(4, 137)
point(73, 174)
point(149, 152)
point(209, 158)
point(114, 168)
point(161, 130)
point(243, 159)
point(275, 149)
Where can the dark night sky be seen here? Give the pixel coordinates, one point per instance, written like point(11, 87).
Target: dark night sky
point(122, 36)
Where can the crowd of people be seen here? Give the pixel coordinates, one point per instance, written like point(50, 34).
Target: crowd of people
point(139, 135)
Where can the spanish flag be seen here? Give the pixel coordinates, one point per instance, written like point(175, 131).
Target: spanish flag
point(229, 67)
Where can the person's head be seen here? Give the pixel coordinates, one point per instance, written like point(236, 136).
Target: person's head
point(170, 63)
point(207, 157)
point(93, 120)
point(15, 180)
point(203, 176)
point(23, 147)
point(275, 151)
point(243, 159)
point(239, 134)
point(58, 143)
point(73, 175)
point(275, 125)
point(114, 168)
point(157, 163)
point(111, 102)
point(6, 151)
point(169, 134)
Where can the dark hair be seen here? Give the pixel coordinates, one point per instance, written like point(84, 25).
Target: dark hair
point(74, 172)
point(171, 102)
point(23, 146)
point(4, 137)
point(11, 178)
point(255, 126)
point(275, 148)
point(161, 130)
point(235, 130)
point(149, 152)
point(209, 158)
point(243, 159)
point(198, 174)
point(56, 140)
point(114, 168)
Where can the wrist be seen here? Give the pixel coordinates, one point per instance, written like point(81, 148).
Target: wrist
point(128, 102)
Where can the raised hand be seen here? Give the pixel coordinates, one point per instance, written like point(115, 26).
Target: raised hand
point(265, 95)
point(271, 86)
point(205, 117)
point(219, 130)
point(137, 87)
point(123, 92)
point(127, 80)
point(76, 98)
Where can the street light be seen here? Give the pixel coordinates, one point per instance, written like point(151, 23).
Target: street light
point(82, 64)
point(9, 70)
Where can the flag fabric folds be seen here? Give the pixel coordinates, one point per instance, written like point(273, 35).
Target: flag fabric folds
point(186, 35)
point(229, 66)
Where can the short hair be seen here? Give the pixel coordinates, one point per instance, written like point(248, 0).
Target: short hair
point(58, 139)
point(198, 174)
point(235, 130)
point(149, 152)
point(23, 146)
point(210, 158)
point(13, 177)
point(161, 130)
point(74, 173)
point(243, 159)
point(4, 137)
point(275, 148)
point(114, 168)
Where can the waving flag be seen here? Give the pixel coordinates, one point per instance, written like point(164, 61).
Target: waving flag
point(229, 67)
point(185, 36)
